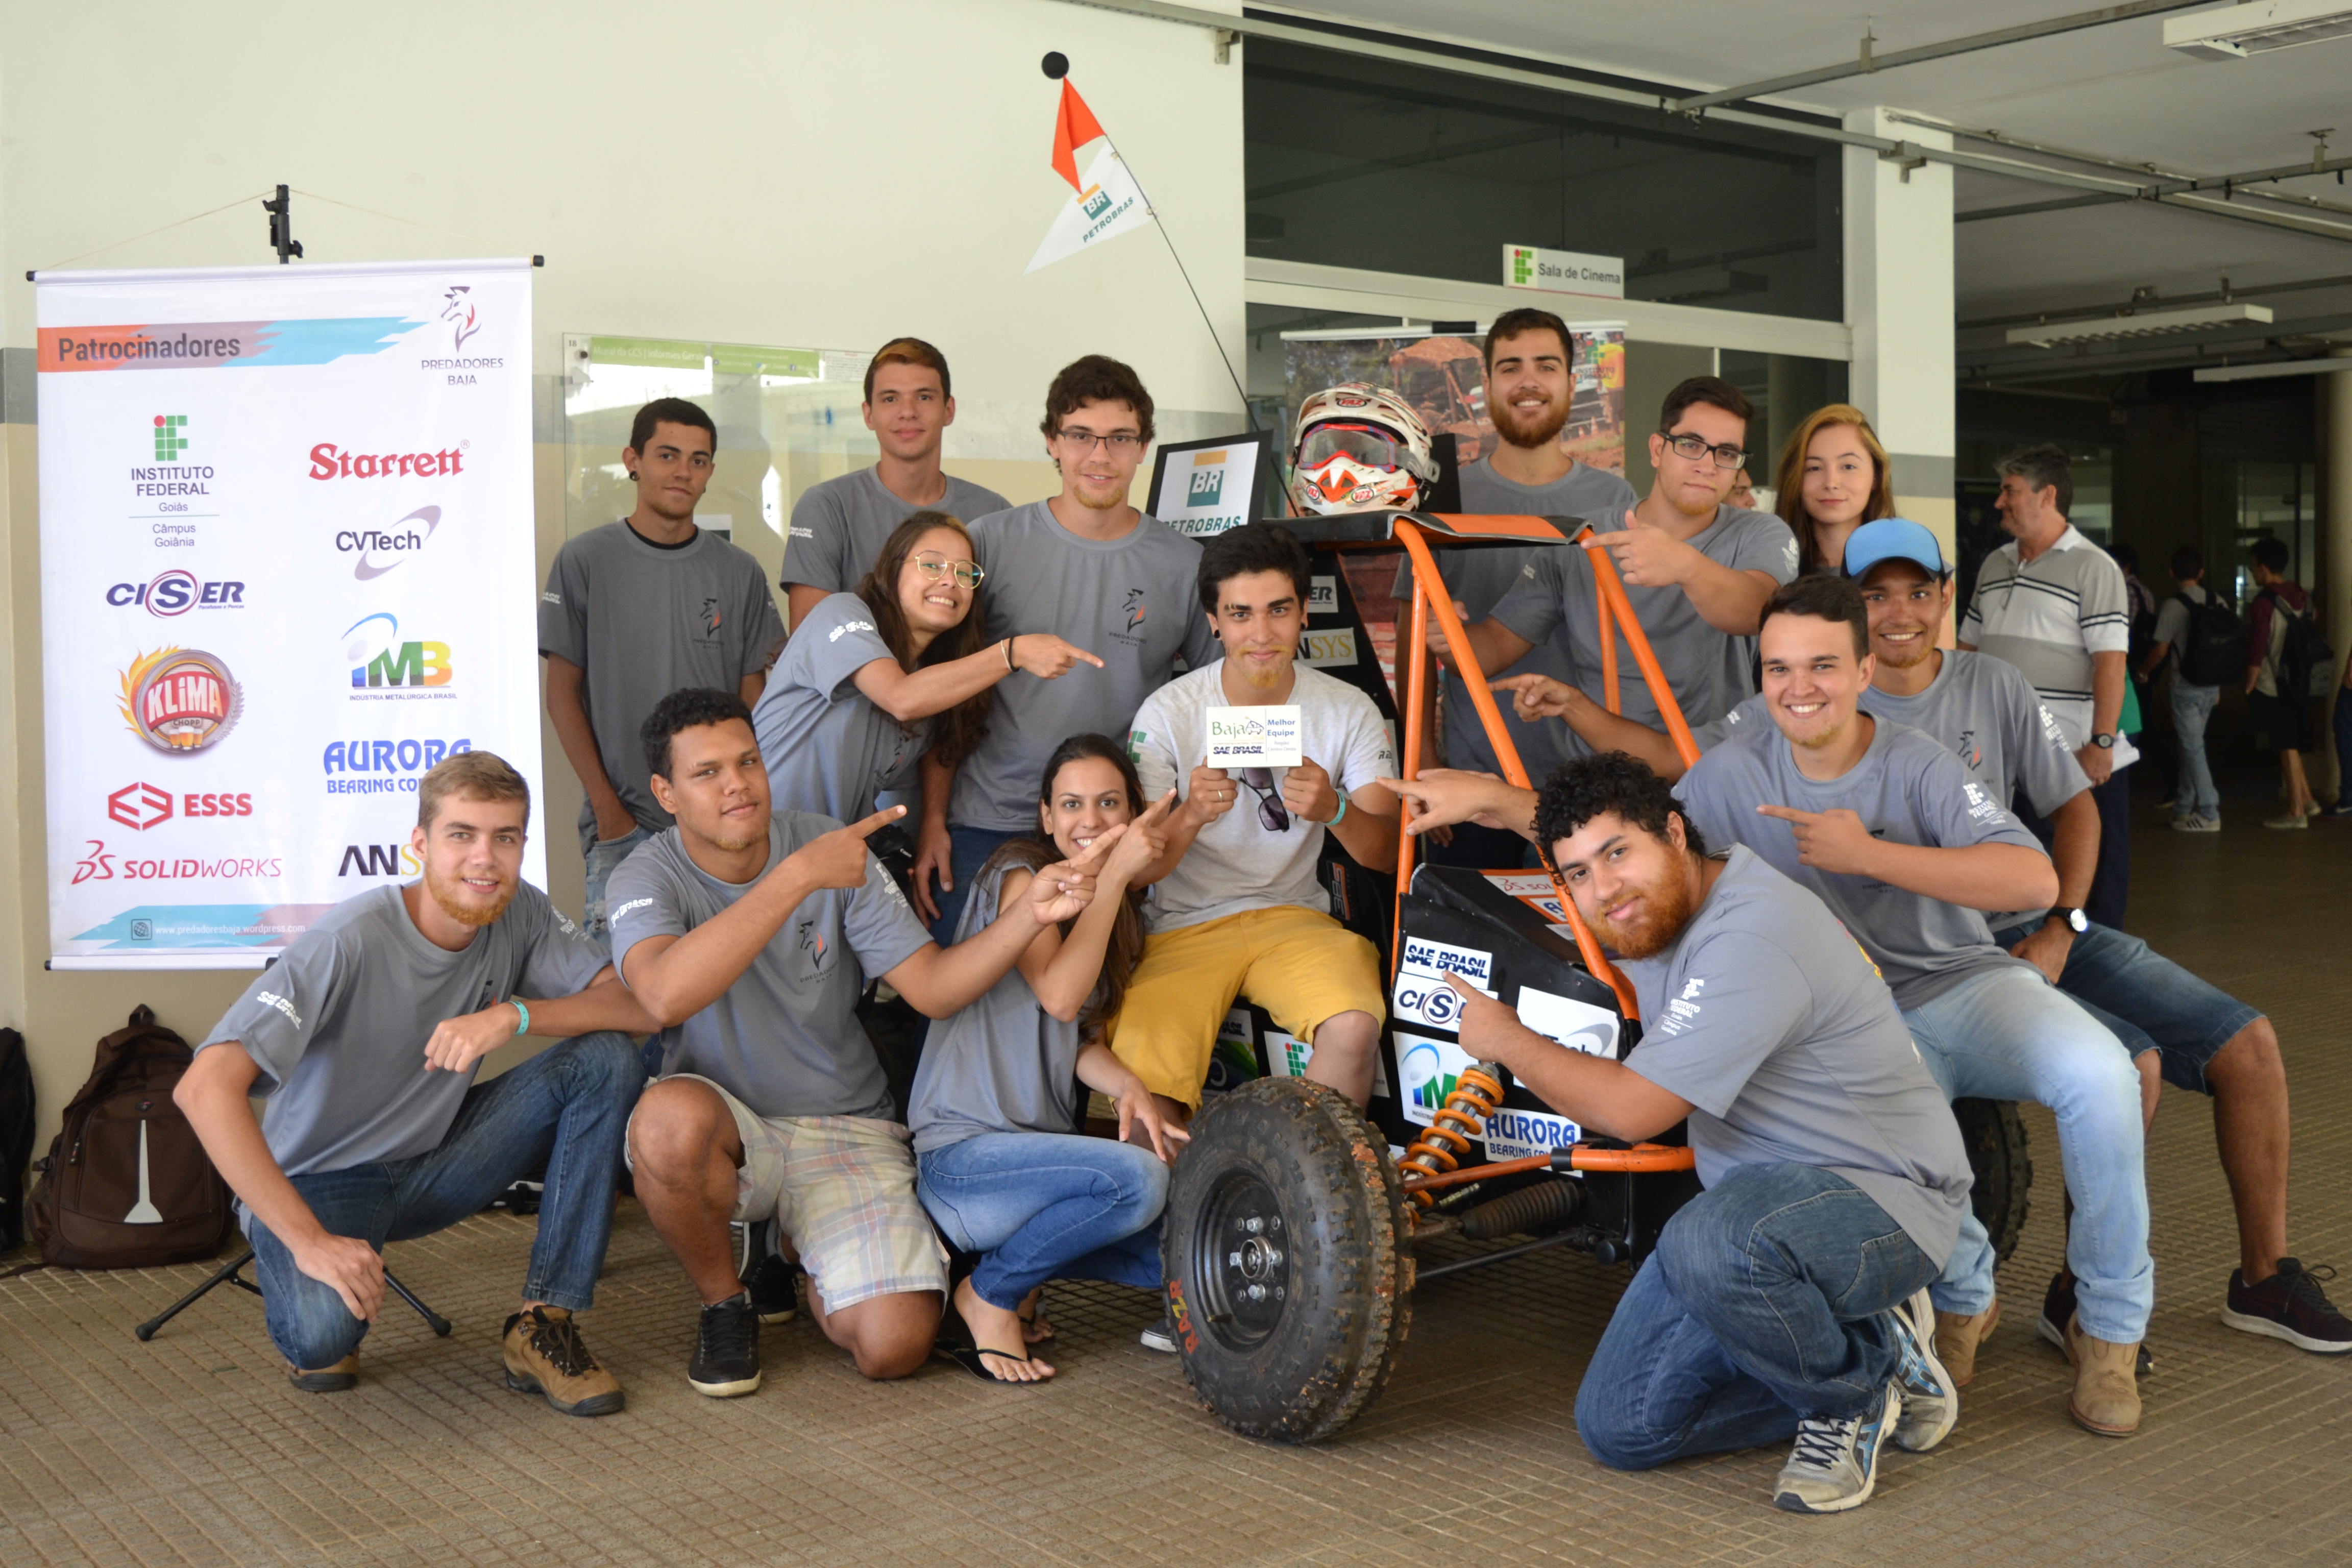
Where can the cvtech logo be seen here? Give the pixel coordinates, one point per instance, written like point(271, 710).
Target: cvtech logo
point(382, 549)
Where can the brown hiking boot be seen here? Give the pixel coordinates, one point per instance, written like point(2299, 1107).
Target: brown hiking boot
point(344, 1375)
point(2106, 1399)
point(546, 1356)
point(1958, 1336)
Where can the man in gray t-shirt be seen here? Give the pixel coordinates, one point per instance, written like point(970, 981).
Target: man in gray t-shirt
point(839, 527)
point(749, 934)
point(1783, 1300)
point(364, 1039)
point(634, 611)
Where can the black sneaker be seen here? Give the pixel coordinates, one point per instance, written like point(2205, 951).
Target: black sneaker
point(773, 1288)
point(2290, 1306)
point(1160, 1336)
point(727, 1349)
point(2058, 1308)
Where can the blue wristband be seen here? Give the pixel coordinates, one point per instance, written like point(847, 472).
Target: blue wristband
point(522, 1028)
point(1341, 815)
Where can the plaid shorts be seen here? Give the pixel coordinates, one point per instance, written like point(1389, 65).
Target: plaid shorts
point(843, 1188)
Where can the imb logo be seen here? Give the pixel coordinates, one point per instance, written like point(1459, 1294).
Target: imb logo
point(379, 860)
point(378, 659)
point(169, 442)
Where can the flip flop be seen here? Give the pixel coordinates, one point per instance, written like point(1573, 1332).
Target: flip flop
point(968, 1357)
point(1029, 1321)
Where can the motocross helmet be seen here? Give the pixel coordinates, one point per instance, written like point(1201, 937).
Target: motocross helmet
point(1357, 448)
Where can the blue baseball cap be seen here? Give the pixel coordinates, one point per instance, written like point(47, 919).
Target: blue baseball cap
point(1893, 539)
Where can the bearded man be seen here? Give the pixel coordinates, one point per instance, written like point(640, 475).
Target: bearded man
point(364, 1039)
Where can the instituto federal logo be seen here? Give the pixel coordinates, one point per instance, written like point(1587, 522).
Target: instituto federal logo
point(169, 442)
point(180, 700)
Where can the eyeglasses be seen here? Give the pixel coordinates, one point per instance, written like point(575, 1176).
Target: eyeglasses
point(937, 567)
point(1269, 800)
point(1121, 442)
point(1691, 449)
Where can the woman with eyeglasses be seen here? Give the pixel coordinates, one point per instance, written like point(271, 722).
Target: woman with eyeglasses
point(1833, 476)
point(872, 679)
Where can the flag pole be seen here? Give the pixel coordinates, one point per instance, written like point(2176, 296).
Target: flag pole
point(1057, 66)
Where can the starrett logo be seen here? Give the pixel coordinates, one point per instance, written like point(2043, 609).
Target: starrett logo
point(169, 442)
point(329, 461)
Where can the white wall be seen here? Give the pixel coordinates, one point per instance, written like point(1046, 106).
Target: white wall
point(784, 171)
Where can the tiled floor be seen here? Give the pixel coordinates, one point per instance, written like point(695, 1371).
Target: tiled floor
point(192, 1449)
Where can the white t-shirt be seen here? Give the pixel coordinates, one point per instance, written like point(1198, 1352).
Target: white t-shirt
point(1240, 862)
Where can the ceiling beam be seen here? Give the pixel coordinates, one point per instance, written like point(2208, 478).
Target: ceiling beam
point(2235, 291)
point(1870, 60)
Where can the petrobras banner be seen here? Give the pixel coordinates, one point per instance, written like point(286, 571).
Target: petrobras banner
point(287, 566)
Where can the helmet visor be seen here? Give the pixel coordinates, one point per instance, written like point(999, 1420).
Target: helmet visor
point(1367, 445)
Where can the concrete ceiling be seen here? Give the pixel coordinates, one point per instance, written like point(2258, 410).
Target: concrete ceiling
point(2114, 90)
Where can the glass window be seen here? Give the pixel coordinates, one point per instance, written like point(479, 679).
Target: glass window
point(1397, 168)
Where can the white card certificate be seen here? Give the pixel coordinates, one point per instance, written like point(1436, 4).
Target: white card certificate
point(1255, 737)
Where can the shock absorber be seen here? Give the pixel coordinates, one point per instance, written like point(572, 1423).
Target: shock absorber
point(1476, 1094)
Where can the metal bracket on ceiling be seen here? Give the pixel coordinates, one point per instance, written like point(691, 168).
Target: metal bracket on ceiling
point(1908, 155)
point(1224, 39)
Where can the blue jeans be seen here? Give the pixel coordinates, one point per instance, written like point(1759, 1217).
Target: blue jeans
point(604, 860)
point(567, 1106)
point(1765, 1302)
point(2192, 709)
point(2008, 1034)
point(1047, 1205)
point(972, 846)
point(2149, 1002)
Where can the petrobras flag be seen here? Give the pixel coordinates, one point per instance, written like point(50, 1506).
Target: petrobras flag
point(1105, 202)
point(287, 566)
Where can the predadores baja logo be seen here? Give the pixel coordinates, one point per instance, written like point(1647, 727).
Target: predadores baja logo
point(180, 700)
point(175, 593)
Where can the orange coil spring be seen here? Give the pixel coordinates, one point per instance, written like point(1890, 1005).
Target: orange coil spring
point(1476, 1094)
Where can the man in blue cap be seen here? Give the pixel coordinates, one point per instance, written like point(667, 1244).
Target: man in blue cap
point(2195, 1036)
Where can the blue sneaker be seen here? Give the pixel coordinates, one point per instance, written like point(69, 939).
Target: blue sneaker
point(1834, 1465)
point(1931, 1400)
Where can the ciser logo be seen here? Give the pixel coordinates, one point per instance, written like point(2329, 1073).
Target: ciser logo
point(381, 662)
point(175, 593)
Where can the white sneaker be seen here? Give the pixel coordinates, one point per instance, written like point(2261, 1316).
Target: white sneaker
point(2195, 823)
point(1160, 1336)
point(1834, 1465)
point(1931, 1402)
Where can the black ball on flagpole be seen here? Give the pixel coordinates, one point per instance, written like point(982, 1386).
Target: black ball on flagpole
point(1057, 65)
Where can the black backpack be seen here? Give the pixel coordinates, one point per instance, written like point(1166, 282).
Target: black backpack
point(2213, 650)
point(16, 1136)
point(2307, 665)
point(127, 1184)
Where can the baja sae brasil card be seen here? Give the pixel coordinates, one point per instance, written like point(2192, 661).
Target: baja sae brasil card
point(1255, 737)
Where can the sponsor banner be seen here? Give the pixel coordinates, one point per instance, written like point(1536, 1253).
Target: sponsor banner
point(279, 507)
point(1514, 1134)
point(1424, 998)
point(1474, 964)
point(1267, 737)
point(1430, 1068)
point(1578, 1025)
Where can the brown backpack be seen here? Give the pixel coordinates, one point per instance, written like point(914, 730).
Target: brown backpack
point(126, 1184)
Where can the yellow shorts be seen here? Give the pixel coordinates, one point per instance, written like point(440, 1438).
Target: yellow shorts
point(1301, 966)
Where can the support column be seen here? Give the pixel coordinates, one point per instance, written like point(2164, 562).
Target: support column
point(1898, 301)
point(2336, 544)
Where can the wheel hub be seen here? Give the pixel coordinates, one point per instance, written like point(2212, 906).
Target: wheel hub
point(1241, 1261)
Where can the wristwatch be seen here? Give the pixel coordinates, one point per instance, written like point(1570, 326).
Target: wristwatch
point(2076, 921)
point(2105, 742)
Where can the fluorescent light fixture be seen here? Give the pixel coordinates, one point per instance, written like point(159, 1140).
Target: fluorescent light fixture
point(2268, 372)
point(2235, 32)
point(2145, 324)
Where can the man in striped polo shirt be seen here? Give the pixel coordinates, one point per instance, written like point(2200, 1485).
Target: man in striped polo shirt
point(2053, 604)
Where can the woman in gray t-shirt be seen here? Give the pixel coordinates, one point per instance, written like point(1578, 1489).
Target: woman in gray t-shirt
point(870, 681)
point(995, 1109)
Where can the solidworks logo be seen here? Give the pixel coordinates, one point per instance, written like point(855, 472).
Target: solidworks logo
point(329, 461)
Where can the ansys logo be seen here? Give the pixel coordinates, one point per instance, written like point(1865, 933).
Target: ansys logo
point(458, 309)
point(378, 659)
point(1523, 265)
point(169, 442)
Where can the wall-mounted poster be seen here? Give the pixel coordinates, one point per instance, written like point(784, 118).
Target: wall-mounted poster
point(1208, 487)
point(1442, 376)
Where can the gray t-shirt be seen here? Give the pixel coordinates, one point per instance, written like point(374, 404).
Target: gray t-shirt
point(1001, 1065)
point(642, 620)
point(839, 527)
point(829, 749)
point(1907, 789)
point(2172, 622)
point(1132, 602)
point(1238, 863)
point(2004, 735)
point(1480, 578)
point(1711, 673)
point(1773, 1024)
point(337, 1025)
point(784, 1038)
